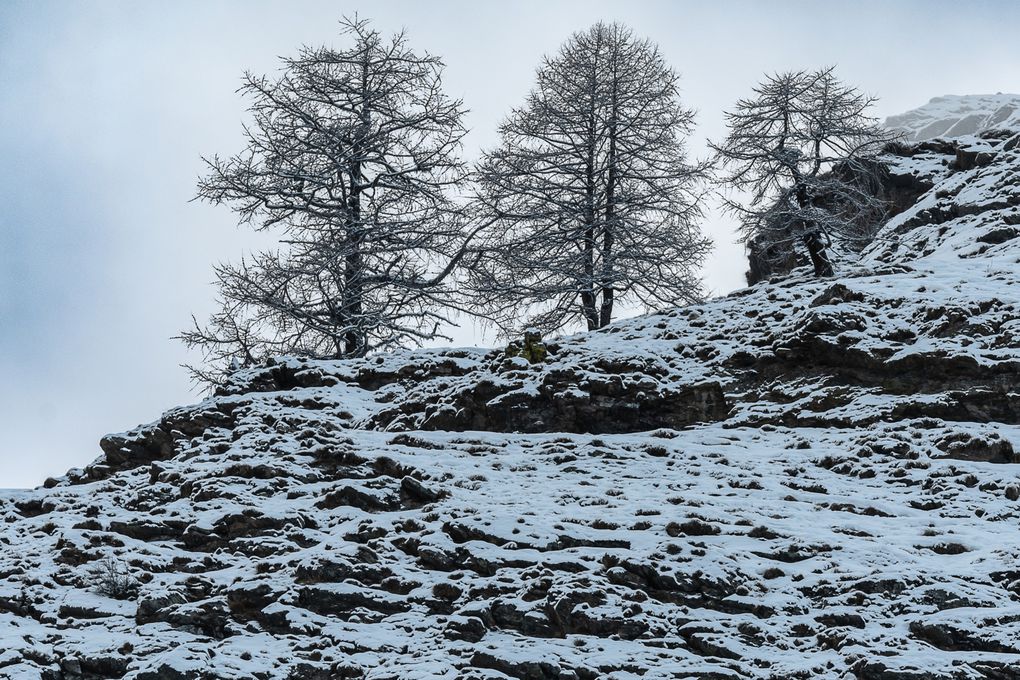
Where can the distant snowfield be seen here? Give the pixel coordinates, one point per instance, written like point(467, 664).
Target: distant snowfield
point(958, 115)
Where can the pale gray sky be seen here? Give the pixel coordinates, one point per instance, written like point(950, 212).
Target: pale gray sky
point(106, 107)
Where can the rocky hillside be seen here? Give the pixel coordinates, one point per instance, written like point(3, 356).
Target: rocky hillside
point(805, 479)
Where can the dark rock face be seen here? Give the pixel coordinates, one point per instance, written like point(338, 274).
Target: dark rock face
point(989, 448)
point(137, 447)
point(607, 403)
point(953, 638)
point(367, 373)
point(766, 261)
point(88, 667)
point(609, 407)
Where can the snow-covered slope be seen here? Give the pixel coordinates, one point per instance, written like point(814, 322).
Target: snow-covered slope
point(958, 115)
point(805, 479)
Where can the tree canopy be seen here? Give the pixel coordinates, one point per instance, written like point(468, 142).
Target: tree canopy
point(801, 161)
point(593, 197)
point(353, 160)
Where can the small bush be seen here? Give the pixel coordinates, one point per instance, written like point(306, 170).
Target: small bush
point(114, 580)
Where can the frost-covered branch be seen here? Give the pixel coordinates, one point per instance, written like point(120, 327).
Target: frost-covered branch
point(800, 161)
point(353, 160)
point(593, 199)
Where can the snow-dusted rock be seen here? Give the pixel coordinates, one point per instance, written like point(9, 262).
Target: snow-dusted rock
point(805, 479)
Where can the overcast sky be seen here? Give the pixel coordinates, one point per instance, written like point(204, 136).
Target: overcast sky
point(106, 108)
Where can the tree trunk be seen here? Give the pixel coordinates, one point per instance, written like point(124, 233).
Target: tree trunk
point(354, 339)
point(589, 292)
point(609, 226)
point(354, 344)
point(606, 312)
point(813, 239)
point(817, 251)
point(588, 308)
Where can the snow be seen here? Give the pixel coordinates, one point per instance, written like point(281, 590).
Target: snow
point(952, 116)
point(835, 524)
point(527, 491)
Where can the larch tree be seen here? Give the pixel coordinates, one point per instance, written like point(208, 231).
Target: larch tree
point(801, 161)
point(353, 161)
point(594, 201)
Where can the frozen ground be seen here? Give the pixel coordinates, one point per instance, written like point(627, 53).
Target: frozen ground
point(805, 479)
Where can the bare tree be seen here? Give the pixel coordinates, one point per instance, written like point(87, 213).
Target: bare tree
point(594, 200)
point(801, 156)
point(352, 158)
